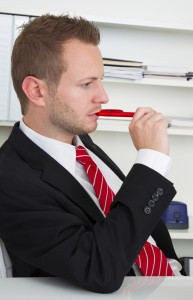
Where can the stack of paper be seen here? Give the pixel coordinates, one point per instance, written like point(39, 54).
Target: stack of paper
point(127, 73)
point(123, 69)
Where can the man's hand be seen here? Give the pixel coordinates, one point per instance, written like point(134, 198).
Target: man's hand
point(148, 130)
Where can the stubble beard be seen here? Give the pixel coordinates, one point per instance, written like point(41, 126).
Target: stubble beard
point(65, 118)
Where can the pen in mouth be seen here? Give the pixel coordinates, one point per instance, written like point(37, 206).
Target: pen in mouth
point(115, 113)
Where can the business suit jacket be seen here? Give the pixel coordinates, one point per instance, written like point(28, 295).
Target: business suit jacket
point(51, 226)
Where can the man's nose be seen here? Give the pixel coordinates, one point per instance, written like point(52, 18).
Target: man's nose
point(100, 95)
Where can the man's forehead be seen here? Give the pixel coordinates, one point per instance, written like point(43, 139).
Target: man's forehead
point(83, 58)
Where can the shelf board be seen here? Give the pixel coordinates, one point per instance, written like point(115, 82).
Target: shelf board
point(183, 234)
point(7, 123)
point(139, 24)
point(112, 21)
point(146, 81)
point(121, 125)
point(181, 131)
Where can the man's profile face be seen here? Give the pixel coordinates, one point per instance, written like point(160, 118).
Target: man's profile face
point(80, 93)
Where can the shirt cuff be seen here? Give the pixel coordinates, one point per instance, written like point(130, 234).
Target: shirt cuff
point(155, 160)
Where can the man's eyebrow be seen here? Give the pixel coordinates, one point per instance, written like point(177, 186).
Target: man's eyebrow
point(90, 78)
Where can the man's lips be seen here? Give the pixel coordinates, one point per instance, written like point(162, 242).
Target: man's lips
point(95, 113)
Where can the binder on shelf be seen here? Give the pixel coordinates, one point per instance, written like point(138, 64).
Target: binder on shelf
point(6, 25)
point(126, 69)
point(121, 63)
point(14, 108)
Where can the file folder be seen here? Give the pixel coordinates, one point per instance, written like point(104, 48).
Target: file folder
point(14, 109)
point(6, 26)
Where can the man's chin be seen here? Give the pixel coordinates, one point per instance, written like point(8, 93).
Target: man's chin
point(88, 129)
point(93, 128)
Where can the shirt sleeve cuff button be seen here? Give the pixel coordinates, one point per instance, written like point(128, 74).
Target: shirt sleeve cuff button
point(155, 197)
point(159, 191)
point(151, 203)
point(147, 210)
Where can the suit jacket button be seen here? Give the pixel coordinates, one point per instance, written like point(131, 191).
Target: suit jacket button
point(151, 203)
point(147, 210)
point(155, 197)
point(159, 191)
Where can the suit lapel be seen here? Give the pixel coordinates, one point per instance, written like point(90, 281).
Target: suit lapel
point(66, 183)
point(53, 173)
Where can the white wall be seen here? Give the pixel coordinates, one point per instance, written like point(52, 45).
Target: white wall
point(157, 10)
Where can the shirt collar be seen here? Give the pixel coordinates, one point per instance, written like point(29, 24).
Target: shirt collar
point(63, 153)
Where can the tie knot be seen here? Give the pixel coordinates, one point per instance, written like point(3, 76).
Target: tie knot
point(82, 155)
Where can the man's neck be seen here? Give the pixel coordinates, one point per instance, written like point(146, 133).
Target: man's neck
point(49, 131)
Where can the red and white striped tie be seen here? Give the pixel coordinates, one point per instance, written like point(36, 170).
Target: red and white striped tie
point(151, 259)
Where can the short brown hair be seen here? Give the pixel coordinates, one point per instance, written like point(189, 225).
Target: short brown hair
point(38, 49)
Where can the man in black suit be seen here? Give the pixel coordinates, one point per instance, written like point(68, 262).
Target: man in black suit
point(50, 218)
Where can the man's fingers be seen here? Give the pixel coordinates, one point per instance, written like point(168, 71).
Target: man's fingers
point(148, 130)
point(141, 111)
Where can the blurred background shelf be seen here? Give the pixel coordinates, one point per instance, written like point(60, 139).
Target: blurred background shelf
point(121, 125)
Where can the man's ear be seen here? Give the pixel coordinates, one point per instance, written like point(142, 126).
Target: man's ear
point(33, 88)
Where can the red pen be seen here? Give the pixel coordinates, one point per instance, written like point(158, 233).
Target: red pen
point(115, 113)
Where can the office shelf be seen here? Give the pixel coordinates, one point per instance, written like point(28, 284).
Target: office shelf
point(121, 125)
point(148, 81)
point(140, 24)
point(6, 123)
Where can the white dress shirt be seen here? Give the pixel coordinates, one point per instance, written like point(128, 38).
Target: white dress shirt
point(65, 154)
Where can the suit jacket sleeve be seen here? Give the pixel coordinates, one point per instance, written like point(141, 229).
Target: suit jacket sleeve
point(43, 228)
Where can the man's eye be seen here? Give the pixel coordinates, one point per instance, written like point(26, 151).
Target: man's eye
point(86, 84)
